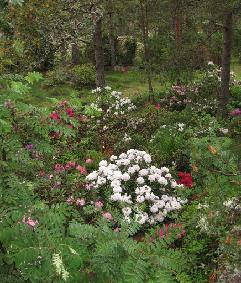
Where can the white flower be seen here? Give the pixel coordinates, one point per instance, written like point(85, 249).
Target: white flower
point(140, 180)
point(116, 197)
point(131, 170)
point(123, 156)
point(126, 211)
point(117, 175)
point(117, 189)
point(126, 177)
point(101, 181)
point(113, 157)
point(154, 208)
point(141, 218)
point(107, 88)
point(152, 178)
point(143, 172)
point(159, 217)
point(162, 181)
point(136, 167)
point(103, 163)
point(147, 158)
point(115, 183)
point(224, 131)
point(140, 199)
point(168, 176)
point(92, 176)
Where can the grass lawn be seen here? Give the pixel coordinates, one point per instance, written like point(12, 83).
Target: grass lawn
point(131, 83)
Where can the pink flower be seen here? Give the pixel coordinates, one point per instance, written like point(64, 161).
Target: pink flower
point(70, 165)
point(63, 103)
point(81, 169)
point(31, 223)
point(88, 161)
point(70, 200)
point(235, 112)
point(58, 168)
point(55, 116)
point(158, 106)
point(41, 173)
point(80, 202)
point(107, 215)
point(70, 112)
point(99, 204)
point(117, 229)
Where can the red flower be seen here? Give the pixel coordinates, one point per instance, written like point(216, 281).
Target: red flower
point(185, 179)
point(70, 112)
point(55, 116)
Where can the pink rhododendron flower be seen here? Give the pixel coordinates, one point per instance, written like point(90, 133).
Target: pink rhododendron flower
point(63, 103)
point(99, 204)
point(55, 116)
point(31, 223)
point(70, 200)
point(81, 169)
point(70, 165)
point(70, 112)
point(41, 173)
point(58, 168)
point(80, 202)
point(235, 112)
point(158, 106)
point(107, 215)
point(88, 161)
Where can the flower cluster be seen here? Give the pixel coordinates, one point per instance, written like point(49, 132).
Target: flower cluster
point(235, 112)
point(232, 203)
point(120, 105)
point(179, 96)
point(66, 116)
point(185, 179)
point(144, 192)
point(58, 168)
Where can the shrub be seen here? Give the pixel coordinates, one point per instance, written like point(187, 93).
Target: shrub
point(83, 75)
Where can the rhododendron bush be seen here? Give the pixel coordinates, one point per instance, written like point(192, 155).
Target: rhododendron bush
point(79, 202)
point(143, 192)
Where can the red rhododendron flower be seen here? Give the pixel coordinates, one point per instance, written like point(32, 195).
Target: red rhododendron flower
point(185, 179)
point(55, 116)
point(70, 112)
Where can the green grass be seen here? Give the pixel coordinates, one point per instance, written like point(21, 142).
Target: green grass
point(131, 83)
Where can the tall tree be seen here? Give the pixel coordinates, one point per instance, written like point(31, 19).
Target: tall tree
point(145, 36)
point(97, 14)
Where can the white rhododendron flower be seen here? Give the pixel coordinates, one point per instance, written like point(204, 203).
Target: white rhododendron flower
point(144, 193)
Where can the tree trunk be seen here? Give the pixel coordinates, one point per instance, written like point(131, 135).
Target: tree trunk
point(75, 54)
point(63, 51)
point(223, 98)
point(112, 40)
point(144, 28)
point(99, 54)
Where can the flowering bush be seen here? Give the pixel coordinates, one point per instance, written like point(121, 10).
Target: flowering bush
point(143, 192)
